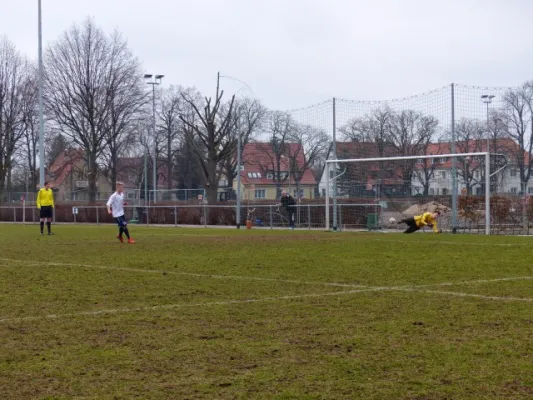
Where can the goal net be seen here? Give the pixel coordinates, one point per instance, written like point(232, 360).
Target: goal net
point(462, 187)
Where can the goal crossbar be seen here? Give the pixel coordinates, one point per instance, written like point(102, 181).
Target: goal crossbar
point(400, 158)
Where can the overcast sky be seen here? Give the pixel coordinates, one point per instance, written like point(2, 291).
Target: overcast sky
point(293, 53)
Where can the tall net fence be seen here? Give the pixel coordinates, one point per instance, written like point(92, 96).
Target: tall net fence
point(454, 119)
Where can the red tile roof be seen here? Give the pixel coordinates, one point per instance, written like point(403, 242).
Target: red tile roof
point(258, 158)
point(63, 165)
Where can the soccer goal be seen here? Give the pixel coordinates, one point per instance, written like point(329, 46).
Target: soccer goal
point(458, 185)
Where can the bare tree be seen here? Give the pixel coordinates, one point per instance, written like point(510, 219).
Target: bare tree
point(170, 137)
point(89, 78)
point(30, 127)
point(272, 157)
point(210, 139)
point(14, 71)
point(125, 98)
point(470, 134)
point(517, 120)
point(410, 133)
point(307, 145)
point(426, 128)
point(249, 117)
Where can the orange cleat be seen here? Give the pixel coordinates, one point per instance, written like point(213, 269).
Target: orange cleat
point(120, 238)
point(131, 241)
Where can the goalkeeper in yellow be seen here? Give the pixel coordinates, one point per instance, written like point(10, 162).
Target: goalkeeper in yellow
point(45, 204)
point(419, 221)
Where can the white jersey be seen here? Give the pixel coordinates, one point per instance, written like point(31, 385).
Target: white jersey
point(116, 202)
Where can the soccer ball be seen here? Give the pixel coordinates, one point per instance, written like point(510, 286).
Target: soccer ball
point(392, 220)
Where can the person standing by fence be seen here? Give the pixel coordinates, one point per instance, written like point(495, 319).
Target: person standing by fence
point(289, 204)
point(45, 204)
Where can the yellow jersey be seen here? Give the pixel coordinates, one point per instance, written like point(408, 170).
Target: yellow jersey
point(426, 219)
point(45, 198)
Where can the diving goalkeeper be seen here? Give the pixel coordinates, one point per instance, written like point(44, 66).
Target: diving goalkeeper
point(419, 221)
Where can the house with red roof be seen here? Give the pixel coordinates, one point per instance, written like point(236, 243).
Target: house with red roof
point(428, 176)
point(68, 177)
point(265, 172)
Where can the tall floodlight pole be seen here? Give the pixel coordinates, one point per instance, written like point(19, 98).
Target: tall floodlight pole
point(41, 117)
point(238, 211)
point(334, 150)
point(454, 166)
point(154, 82)
point(487, 99)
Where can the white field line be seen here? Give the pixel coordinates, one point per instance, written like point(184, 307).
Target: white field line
point(461, 294)
point(161, 272)
point(455, 243)
point(410, 288)
point(174, 306)
point(253, 278)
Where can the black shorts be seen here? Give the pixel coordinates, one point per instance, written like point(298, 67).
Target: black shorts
point(46, 212)
point(121, 221)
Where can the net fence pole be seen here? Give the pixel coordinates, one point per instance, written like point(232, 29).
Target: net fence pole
point(327, 196)
point(334, 148)
point(487, 193)
point(454, 161)
point(238, 210)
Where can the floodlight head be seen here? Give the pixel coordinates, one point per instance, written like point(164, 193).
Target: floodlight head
point(159, 76)
point(147, 76)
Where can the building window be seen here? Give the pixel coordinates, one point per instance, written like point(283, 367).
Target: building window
point(444, 192)
point(259, 175)
point(443, 174)
point(270, 175)
point(443, 160)
point(249, 174)
point(420, 161)
point(514, 190)
point(514, 173)
point(431, 192)
point(530, 190)
point(260, 193)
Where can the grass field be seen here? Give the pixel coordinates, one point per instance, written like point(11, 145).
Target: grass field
point(227, 314)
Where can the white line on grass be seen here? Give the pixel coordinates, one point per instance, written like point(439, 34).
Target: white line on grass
point(173, 306)
point(456, 243)
point(161, 272)
point(461, 294)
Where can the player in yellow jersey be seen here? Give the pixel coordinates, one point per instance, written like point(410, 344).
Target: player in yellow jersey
point(419, 221)
point(45, 204)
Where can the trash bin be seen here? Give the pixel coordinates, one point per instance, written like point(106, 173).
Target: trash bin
point(372, 221)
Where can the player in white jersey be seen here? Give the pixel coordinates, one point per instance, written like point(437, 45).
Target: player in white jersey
point(115, 206)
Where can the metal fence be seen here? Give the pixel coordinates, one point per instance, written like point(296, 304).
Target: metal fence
point(309, 216)
point(508, 215)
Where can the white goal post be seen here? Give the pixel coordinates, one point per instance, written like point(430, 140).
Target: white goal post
point(331, 165)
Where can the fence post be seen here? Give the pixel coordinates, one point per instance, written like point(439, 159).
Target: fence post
point(175, 216)
point(205, 216)
point(14, 214)
point(147, 215)
point(270, 207)
point(33, 214)
point(339, 224)
point(309, 216)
